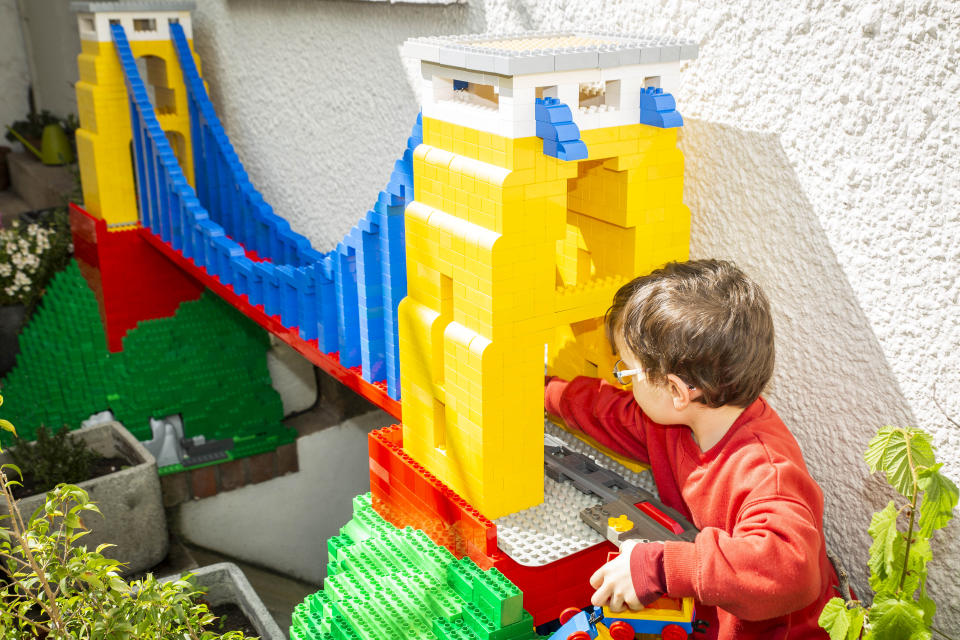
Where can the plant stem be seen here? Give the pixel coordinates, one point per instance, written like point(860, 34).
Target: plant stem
point(913, 513)
point(18, 530)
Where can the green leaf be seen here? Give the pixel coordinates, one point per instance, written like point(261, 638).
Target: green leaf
point(7, 426)
point(840, 622)
point(899, 619)
point(888, 450)
point(929, 607)
point(939, 499)
point(883, 530)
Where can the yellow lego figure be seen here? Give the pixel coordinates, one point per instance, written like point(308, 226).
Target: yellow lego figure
point(527, 218)
point(104, 136)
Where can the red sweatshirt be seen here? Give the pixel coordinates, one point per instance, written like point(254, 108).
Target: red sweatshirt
point(758, 568)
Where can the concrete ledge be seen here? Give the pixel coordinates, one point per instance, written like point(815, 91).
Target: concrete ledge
point(224, 582)
point(40, 186)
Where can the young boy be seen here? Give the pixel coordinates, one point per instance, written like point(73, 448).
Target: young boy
point(695, 339)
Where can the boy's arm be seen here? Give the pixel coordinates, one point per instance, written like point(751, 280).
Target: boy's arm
point(603, 411)
point(767, 567)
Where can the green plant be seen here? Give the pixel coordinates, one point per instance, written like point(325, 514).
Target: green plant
point(901, 608)
point(59, 590)
point(53, 459)
point(30, 255)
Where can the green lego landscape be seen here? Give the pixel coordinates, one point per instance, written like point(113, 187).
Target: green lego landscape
point(206, 363)
point(385, 583)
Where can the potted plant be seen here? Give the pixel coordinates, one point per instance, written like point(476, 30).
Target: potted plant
point(127, 492)
point(902, 609)
point(53, 587)
point(30, 254)
point(32, 128)
point(225, 588)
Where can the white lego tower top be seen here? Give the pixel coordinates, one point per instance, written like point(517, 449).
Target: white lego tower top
point(491, 82)
point(146, 20)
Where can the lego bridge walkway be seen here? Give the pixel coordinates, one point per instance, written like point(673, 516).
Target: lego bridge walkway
point(338, 309)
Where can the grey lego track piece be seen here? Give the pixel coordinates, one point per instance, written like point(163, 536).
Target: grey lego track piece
point(644, 480)
point(133, 5)
point(619, 498)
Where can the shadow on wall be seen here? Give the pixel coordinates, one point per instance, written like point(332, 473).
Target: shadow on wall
point(311, 93)
point(832, 385)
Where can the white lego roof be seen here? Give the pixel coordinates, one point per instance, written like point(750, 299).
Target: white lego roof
point(133, 5)
point(544, 52)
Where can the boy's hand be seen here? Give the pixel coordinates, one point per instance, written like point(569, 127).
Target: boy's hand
point(634, 578)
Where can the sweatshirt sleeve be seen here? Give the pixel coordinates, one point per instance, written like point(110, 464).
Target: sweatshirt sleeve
point(604, 412)
point(767, 567)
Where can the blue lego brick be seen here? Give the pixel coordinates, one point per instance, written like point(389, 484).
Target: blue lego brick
point(560, 135)
point(328, 339)
point(289, 300)
point(552, 110)
point(306, 292)
point(460, 85)
point(659, 109)
point(348, 321)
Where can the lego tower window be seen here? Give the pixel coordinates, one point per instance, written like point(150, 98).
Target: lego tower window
point(473, 94)
point(144, 24)
point(652, 81)
point(154, 72)
point(599, 96)
point(596, 223)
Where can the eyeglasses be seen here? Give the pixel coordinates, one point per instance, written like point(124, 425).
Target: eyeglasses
point(624, 376)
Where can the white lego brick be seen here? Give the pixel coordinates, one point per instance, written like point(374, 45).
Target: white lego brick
point(422, 50)
point(527, 64)
point(607, 59)
point(560, 77)
point(453, 56)
point(576, 61)
point(670, 53)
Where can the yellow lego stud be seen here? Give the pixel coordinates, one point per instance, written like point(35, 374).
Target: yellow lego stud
point(620, 524)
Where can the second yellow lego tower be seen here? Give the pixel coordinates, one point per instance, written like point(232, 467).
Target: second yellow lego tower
point(549, 175)
point(104, 140)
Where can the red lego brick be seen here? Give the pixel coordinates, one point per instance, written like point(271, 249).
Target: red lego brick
point(394, 473)
point(131, 280)
point(406, 494)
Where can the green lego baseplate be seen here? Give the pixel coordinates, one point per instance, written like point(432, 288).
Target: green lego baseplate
point(385, 583)
point(206, 363)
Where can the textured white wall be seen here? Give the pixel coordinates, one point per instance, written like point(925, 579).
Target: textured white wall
point(822, 155)
point(14, 76)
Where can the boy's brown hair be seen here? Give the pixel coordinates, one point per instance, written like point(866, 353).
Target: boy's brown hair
point(704, 321)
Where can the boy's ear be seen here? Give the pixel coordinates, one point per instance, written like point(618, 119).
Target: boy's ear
point(681, 394)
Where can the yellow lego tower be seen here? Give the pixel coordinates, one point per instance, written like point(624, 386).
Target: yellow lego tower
point(104, 137)
point(519, 235)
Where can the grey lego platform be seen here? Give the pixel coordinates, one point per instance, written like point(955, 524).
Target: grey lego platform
point(133, 5)
point(545, 52)
point(553, 529)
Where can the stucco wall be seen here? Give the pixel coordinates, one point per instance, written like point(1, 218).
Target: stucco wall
point(14, 76)
point(822, 155)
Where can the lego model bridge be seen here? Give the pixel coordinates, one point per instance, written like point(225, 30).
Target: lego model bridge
point(338, 309)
